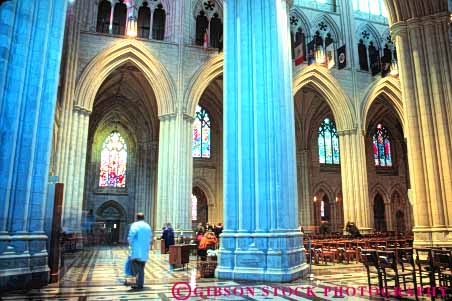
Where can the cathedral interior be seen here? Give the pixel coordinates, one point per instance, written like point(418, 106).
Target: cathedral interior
point(281, 121)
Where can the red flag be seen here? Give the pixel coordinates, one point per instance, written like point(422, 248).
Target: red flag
point(206, 40)
point(299, 54)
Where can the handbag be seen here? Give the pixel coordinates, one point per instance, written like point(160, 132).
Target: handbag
point(128, 267)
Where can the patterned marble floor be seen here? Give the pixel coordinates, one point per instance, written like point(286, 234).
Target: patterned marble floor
point(97, 274)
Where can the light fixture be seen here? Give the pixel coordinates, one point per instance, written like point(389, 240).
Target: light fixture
point(132, 27)
point(337, 199)
point(315, 199)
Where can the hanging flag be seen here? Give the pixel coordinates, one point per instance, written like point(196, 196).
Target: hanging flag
point(394, 68)
point(206, 40)
point(342, 57)
point(311, 52)
point(385, 66)
point(330, 60)
point(299, 54)
point(320, 55)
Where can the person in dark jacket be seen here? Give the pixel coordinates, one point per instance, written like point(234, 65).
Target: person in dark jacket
point(168, 236)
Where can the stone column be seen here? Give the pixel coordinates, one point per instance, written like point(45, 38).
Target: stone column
point(306, 212)
point(355, 191)
point(67, 87)
point(389, 213)
point(31, 41)
point(261, 240)
point(76, 164)
point(175, 168)
point(144, 197)
point(426, 76)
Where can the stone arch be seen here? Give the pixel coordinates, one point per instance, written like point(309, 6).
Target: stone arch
point(334, 29)
point(200, 81)
point(325, 188)
point(120, 53)
point(402, 10)
point(198, 5)
point(398, 189)
point(327, 86)
point(375, 190)
point(376, 37)
point(390, 88)
point(111, 204)
point(205, 187)
point(296, 12)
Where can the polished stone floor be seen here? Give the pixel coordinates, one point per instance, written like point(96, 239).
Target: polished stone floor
point(97, 274)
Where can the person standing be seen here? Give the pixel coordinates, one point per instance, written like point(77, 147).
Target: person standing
point(139, 238)
point(168, 236)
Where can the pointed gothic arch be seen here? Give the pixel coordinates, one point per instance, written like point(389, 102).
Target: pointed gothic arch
point(126, 51)
point(200, 81)
point(331, 90)
point(389, 88)
point(374, 34)
point(336, 33)
point(304, 20)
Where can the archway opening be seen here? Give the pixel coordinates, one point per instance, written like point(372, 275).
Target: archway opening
point(379, 214)
point(318, 163)
point(387, 161)
point(122, 149)
point(200, 209)
point(207, 149)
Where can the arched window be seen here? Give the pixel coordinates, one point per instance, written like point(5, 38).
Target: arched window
point(328, 141)
point(322, 209)
point(382, 147)
point(194, 207)
point(201, 134)
point(113, 162)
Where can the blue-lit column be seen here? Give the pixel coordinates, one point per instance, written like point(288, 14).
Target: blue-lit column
point(30, 42)
point(260, 241)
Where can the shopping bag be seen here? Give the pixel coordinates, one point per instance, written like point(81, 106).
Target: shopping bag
point(128, 267)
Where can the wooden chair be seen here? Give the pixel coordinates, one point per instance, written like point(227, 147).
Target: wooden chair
point(370, 260)
point(425, 267)
point(442, 262)
point(398, 268)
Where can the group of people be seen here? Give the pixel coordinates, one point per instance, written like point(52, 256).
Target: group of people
point(207, 237)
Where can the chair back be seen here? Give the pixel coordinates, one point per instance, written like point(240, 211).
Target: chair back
point(442, 259)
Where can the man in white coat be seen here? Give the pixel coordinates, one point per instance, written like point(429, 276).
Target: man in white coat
point(140, 237)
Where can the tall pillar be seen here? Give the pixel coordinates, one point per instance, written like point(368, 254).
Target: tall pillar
point(306, 211)
point(75, 171)
point(355, 191)
point(426, 76)
point(31, 42)
point(175, 167)
point(260, 241)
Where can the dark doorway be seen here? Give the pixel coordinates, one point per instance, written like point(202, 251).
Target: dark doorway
point(112, 227)
point(200, 206)
point(379, 214)
point(400, 222)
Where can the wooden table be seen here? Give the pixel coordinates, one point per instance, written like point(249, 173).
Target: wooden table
point(179, 255)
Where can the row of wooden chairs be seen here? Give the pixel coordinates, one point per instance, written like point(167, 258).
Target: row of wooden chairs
point(348, 250)
point(401, 267)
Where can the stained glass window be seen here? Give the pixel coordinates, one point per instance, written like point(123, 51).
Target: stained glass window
point(328, 141)
point(113, 162)
point(194, 207)
point(322, 208)
point(382, 147)
point(201, 134)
